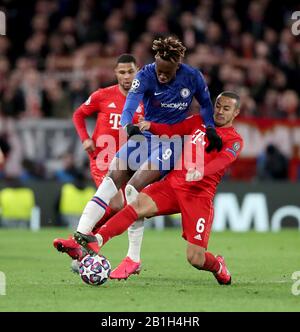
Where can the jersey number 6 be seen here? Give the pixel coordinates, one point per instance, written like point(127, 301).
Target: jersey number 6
point(200, 225)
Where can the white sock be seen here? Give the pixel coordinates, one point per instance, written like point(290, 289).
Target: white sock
point(95, 208)
point(135, 237)
point(99, 239)
point(136, 230)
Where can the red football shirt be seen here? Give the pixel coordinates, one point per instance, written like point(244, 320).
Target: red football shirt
point(108, 103)
point(214, 164)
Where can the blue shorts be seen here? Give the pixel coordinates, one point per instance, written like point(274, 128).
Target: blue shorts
point(158, 152)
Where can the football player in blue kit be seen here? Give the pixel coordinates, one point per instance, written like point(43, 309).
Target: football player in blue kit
point(167, 88)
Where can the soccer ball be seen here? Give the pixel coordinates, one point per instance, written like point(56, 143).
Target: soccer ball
point(94, 270)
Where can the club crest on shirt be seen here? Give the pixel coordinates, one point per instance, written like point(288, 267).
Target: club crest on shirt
point(236, 146)
point(185, 92)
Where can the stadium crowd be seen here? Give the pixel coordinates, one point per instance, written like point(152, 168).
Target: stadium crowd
point(57, 52)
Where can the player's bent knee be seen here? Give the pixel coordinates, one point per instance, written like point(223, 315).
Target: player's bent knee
point(144, 206)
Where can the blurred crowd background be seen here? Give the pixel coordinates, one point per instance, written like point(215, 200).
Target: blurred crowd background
point(57, 52)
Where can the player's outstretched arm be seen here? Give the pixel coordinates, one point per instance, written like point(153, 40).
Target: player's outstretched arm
point(132, 102)
point(135, 96)
point(224, 159)
point(203, 97)
point(227, 156)
point(182, 128)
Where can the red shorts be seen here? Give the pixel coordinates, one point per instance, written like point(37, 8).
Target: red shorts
point(196, 211)
point(96, 173)
point(99, 175)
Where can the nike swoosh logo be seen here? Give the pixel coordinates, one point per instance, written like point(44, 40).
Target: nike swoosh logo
point(157, 93)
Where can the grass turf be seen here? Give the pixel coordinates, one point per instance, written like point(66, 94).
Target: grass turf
point(39, 279)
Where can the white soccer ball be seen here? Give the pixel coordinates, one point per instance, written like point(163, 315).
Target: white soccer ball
point(94, 270)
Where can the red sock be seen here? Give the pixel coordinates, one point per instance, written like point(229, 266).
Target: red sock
point(118, 223)
point(211, 264)
point(108, 214)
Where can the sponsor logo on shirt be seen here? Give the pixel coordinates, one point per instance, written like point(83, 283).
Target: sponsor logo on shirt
point(198, 237)
point(180, 106)
point(114, 119)
point(112, 105)
point(198, 136)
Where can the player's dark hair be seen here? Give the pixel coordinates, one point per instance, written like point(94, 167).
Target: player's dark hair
point(232, 95)
point(169, 49)
point(126, 58)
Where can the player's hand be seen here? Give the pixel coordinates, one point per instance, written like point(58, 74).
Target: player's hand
point(134, 132)
point(89, 145)
point(144, 125)
point(193, 175)
point(141, 118)
point(215, 141)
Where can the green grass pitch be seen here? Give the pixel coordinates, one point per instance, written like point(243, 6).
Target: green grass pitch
point(39, 279)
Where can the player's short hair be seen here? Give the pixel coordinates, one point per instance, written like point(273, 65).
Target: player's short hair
point(126, 58)
point(232, 95)
point(169, 49)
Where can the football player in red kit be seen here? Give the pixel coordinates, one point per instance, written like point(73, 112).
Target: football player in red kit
point(108, 104)
point(189, 190)
point(106, 139)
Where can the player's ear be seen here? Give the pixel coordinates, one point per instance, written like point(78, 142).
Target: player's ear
point(236, 112)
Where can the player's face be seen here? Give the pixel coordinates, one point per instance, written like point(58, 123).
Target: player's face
point(165, 70)
point(125, 73)
point(225, 111)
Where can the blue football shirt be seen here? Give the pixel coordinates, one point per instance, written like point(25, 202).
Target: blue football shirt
point(169, 102)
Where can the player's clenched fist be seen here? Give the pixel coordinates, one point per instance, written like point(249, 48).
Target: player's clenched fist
point(193, 175)
point(144, 125)
point(89, 145)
